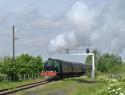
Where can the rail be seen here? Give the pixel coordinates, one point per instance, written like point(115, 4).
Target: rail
point(22, 87)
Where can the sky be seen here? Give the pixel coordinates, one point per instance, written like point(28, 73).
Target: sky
point(47, 27)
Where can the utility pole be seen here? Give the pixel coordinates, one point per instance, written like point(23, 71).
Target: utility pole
point(13, 28)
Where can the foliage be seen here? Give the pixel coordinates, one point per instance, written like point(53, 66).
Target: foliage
point(114, 87)
point(23, 64)
point(97, 55)
point(105, 62)
point(102, 77)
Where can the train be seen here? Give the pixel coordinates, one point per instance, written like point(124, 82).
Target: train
point(59, 69)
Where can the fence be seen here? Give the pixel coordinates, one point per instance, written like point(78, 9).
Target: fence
point(116, 75)
point(20, 77)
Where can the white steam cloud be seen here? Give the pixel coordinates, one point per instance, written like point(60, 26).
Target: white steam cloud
point(102, 28)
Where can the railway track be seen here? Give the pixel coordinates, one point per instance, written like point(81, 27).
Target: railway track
point(22, 87)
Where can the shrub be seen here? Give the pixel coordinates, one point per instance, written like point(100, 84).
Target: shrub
point(23, 64)
point(114, 88)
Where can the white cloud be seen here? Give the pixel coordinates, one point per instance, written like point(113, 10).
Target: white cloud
point(101, 27)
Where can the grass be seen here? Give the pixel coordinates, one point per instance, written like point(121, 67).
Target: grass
point(71, 86)
point(14, 84)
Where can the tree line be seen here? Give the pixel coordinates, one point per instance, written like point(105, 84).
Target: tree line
point(23, 64)
point(107, 62)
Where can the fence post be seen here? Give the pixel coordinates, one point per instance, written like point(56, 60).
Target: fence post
point(13, 78)
point(10, 78)
point(19, 77)
point(38, 74)
point(32, 75)
point(23, 76)
point(3, 78)
point(28, 76)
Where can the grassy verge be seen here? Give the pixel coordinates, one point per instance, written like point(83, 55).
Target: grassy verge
point(73, 86)
point(14, 84)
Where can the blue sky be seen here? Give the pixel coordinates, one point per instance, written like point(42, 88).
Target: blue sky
point(41, 22)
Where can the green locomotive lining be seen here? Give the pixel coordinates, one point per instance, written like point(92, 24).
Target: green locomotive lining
point(54, 63)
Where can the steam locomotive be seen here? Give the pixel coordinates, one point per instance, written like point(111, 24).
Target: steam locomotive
point(58, 69)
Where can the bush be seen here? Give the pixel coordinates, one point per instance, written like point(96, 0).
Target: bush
point(114, 87)
point(106, 62)
point(23, 64)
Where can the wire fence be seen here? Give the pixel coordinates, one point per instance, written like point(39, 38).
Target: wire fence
point(114, 75)
point(20, 77)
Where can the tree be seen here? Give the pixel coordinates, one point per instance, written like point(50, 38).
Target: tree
point(23, 64)
point(97, 55)
point(108, 61)
point(105, 62)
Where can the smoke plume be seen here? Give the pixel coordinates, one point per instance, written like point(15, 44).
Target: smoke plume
point(102, 27)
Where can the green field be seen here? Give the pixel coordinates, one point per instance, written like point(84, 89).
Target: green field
point(18, 83)
point(71, 86)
